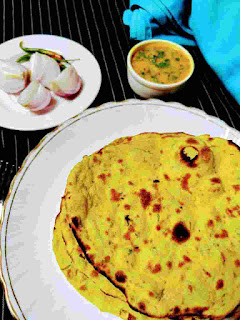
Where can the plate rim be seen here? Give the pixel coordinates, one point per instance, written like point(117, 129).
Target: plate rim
point(52, 124)
point(49, 136)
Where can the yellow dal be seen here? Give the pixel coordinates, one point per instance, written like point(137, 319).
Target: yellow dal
point(161, 63)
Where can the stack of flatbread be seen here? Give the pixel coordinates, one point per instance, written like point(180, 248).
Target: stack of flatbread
point(149, 227)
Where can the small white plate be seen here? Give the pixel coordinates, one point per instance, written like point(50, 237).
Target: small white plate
point(14, 116)
point(35, 287)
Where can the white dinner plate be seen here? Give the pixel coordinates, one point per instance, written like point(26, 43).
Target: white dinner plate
point(14, 116)
point(35, 287)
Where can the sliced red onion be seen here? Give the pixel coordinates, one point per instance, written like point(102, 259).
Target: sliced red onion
point(13, 76)
point(67, 83)
point(44, 68)
point(35, 96)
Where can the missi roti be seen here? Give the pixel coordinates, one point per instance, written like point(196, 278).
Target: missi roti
point(158, 216)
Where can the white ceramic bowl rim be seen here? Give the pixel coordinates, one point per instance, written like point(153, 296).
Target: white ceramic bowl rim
point(150, 84)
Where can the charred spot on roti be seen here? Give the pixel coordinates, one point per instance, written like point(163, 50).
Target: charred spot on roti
point(76, 222)
point(115, 196)
point(87, 247)
point(210, 223)
point(90, 257)
point(142, 306)
point(127, 207)
point(207, 273)
point(199, 310)
point(136, 249)
point(180, 233)
point(192, 141)
point(79, 249)
point(157, 207)
point(100, 151)
point(155, 186)
point(96, 160)
point(219, 284)
point(231, 211)
point(131, 228)
point(95, 273)
point(83, 287)
point(215, 180)
point(236, 187)
point(102, 176)
point(154, 269)
point(166, 176)
point(69, 273)
point(237, 263)
point(176, 310)
point(223, 257)
point(190, 287)
point(107, 259)
point(189, 155)
point(120, 276)
point(145, 198)
point(206, 153)
point(184, 182)
point(186, 259)
point(222, 235)
point(127, 236)
point(127, 219)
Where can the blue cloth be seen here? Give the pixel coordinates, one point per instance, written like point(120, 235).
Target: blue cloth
point(213, 25)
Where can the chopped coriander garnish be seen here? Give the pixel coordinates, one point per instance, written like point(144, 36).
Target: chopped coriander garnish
point(141, 54)
point(130, 251)
point(155, 79)
point(160, 54)
point(163, 64)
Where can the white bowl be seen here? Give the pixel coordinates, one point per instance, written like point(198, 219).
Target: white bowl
point(148, 89)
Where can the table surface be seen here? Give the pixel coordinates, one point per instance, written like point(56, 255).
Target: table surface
point(98, 26)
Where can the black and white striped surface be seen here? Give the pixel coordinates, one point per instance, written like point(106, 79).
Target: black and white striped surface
point(97, 25)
